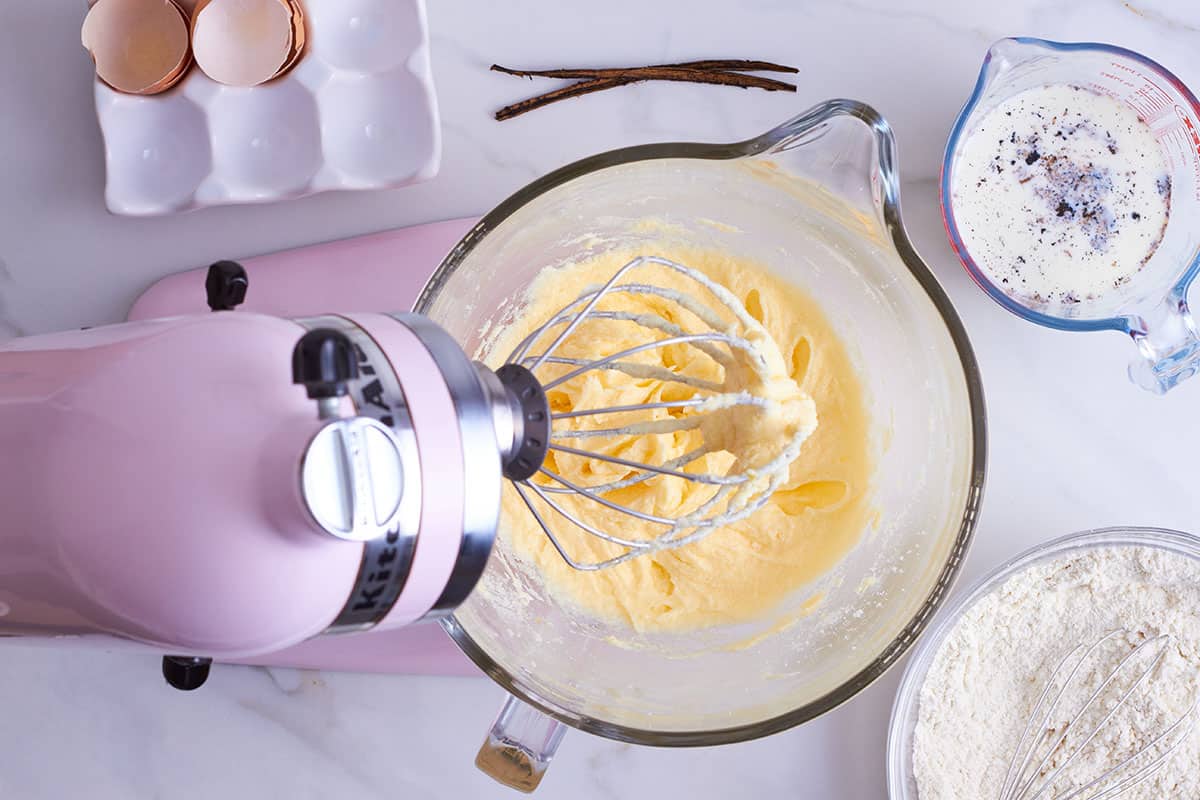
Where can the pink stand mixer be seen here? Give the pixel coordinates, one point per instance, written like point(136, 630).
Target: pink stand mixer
point(233, 488)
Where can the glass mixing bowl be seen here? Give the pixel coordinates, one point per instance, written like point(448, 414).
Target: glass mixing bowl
point(815, 199)
point(902, 784)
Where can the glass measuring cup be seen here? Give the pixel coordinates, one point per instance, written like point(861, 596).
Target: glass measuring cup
point(1152, 307)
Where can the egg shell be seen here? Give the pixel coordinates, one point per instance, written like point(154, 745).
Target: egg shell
point(139, 46)
point(243, 42)
point(299, 37)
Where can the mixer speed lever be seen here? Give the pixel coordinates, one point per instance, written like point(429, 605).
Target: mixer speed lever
point(324, 362)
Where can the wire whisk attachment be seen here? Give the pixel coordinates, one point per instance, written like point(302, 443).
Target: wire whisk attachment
point(746, 427)
point(1068, 720)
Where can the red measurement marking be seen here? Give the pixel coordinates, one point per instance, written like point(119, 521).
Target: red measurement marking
point(1154, 102)
point(1116, 79)
point(1139, 107)
point(1192, 133)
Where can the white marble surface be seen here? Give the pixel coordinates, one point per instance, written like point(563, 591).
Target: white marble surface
point(1074, 445)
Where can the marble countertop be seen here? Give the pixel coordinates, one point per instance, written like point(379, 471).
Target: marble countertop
point(1073, 444)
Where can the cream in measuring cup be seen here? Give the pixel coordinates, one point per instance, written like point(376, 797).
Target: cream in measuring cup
point(1071, 191)
point(1061, 194)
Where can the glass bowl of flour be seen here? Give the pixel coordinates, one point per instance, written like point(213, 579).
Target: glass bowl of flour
point(973, 682)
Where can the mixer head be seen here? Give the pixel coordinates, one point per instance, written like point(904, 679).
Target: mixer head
point(751, 422)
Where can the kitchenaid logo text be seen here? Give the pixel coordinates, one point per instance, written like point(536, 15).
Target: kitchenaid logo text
point(371, 393)
point(374, 586)
point(378, 584)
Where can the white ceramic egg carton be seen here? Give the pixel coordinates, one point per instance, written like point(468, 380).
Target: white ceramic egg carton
point(358, 112)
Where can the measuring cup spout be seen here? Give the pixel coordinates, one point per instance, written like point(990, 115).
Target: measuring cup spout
point(1014, 50)
point(1168, 344)
point(1002, 57)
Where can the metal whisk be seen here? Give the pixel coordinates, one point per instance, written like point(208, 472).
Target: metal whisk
point(1034, 770)
point(736, 495)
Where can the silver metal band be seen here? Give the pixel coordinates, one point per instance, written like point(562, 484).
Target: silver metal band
point(482, 473)
point(387, 560)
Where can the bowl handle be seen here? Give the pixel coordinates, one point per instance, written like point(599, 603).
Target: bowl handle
point(519, 746)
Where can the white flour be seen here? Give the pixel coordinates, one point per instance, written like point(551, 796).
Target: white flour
point(987, 675)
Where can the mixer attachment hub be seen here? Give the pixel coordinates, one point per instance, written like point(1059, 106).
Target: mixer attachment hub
point(531, 410)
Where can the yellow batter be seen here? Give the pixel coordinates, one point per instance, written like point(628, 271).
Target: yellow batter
point(748, 567)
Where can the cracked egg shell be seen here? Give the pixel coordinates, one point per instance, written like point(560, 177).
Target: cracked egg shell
point(138, 46)
point(299, 37)
point(243, 42)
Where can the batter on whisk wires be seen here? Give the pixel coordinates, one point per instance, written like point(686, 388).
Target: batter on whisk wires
point(797, 363)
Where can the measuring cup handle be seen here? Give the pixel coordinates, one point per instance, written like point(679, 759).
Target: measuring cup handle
point(1169, 346)
point(520, 745)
